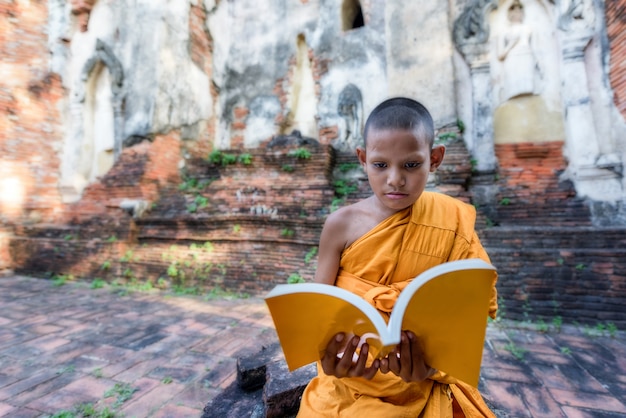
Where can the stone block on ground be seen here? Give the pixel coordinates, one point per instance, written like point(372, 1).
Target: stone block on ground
point(235, 402)
point(283, 391)
point(251, 370)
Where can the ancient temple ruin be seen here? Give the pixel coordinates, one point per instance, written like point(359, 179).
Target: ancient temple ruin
point(112, 111)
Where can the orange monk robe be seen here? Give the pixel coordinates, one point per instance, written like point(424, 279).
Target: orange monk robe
point(377, 266)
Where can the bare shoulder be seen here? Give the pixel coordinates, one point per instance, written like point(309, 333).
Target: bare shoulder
point(351, 222)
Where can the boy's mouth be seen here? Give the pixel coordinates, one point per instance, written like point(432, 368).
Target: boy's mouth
point(396, 195)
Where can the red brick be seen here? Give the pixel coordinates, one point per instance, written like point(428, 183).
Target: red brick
point(593, 401)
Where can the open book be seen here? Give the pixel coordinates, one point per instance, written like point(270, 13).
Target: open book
point(446, 307)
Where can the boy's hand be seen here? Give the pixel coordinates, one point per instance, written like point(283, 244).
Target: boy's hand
point(407, 360)
point(344, 366)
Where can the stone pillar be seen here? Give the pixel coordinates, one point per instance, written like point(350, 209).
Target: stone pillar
point(591, 180)
point(71, 185)
point(471, 37)
point(482, 115)
point(582, 144)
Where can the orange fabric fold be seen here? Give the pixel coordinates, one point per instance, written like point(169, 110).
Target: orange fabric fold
point(377, 267)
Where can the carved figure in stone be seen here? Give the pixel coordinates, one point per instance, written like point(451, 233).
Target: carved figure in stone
point(576, 15)
point(82, 10)
point(350, 108)
point(515, 50)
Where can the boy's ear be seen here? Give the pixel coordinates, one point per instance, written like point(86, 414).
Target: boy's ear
point(360, 153)
point(436, 156)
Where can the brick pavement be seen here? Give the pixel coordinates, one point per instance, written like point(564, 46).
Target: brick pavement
point(155, 355)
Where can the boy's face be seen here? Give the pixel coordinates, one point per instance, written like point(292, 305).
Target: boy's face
point(397, 163)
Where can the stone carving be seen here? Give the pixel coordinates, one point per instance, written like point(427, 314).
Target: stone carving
point(514, 49)
point(82, 10)
point(576, 14)
point(350, 108)
point(471, 25)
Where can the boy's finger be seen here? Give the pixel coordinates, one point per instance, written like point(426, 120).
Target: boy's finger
point(393, 360)
point(384, 365)
point(329, 360)
point(359, 367)
point(406, 360)
point(345, 363)
point(371, 371)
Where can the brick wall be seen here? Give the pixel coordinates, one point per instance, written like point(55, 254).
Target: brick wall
point(244, 227)
point(616, 28)
point(30, 122)
point(530, 191)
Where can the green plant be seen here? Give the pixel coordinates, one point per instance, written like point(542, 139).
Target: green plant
point(97, 373)
point(310, 254)
point(167, 380)
point(128, 256)
point(236, 228)
point(566, 350)
point(286, 232)
point(527, 309)
point(112, 238)
point(287, 168)
point(215, 157)
point(201, 201)
point(106, 265)
point(346, 167)
point(61, 279)
point(295, 278)
point(611, 328)
point(192, 207)
point(580, 267)
point(68, 237)
point(67, 369)
point(505, 201)
point(122, 392)
point(344, 188)
point(84, 411)
point(446, 135)
point(172, 270)
point(228, 159)
point(208, 246)
point(161, 283)
point(245, 159)
point(336, 204)
point(300, 153)
point(542, 326)
point(98, 283)
point(518, 352)
point(473, 164)
point(460, 125)
point(557, 322)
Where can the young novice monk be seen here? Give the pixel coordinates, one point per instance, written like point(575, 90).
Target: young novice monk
point(374, 248)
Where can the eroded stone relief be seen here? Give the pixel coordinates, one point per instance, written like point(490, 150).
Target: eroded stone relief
point(536, 56)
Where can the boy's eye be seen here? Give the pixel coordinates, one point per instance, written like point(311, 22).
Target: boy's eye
point(412, 164)
point(379, 165)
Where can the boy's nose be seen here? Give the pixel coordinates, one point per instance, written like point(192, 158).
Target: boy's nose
point(395, 178)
